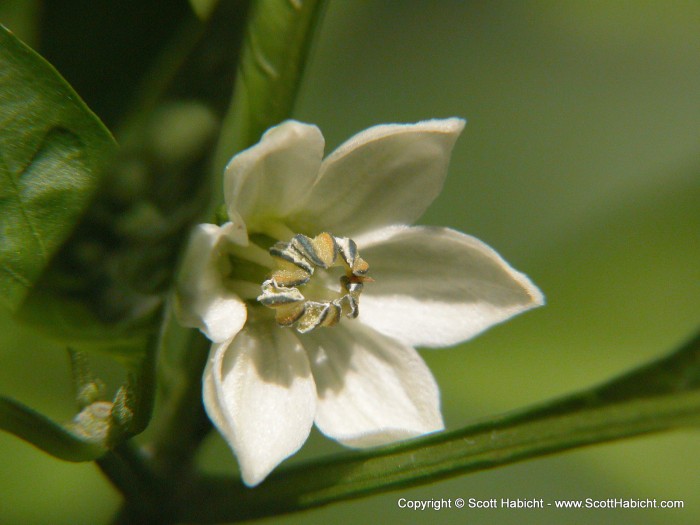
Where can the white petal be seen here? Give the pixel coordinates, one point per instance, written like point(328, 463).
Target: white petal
point(201, 300)
point(259, 392)
point(372, 390)
point(385, 175)
point(438, 287)
point(211, 381)
point(272, 178)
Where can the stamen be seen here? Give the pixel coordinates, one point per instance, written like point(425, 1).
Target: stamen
point(296, 262)
point(244, 289)
point(277, 230)
point(252, 253)
point(321, 251)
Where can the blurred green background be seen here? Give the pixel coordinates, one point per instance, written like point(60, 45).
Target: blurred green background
point(580, 164)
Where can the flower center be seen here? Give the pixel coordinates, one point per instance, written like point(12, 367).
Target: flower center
point(296, 262)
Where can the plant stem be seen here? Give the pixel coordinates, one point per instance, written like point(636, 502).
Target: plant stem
point(127, 469)
point(185, 423)
point(658, 396)
point(473, 449)
point(150, 483)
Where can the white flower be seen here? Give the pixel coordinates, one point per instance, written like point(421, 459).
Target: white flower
point(359, 380)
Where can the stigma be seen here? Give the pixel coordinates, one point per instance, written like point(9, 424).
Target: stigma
point(321, 303)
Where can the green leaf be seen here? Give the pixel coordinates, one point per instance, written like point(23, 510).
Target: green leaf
point(660, 396)
point(46, 435)
point(74, 323)
point(274, 54)
point(22, 16)
point(103, 289)
point(52, 149)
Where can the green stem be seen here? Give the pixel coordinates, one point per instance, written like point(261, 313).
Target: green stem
point(472, 449)
point(275, 52)
point(185, 424)
point(150, 486)
point(278, 38)
point(45, 434)
point(128, 471)
point(659, 396)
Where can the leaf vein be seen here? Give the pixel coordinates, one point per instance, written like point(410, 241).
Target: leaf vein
point(17, 190)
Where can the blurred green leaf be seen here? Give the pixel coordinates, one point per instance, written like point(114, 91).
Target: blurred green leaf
point(22, 17)
point(274, 54)
point(103, 289)
point(203, 8)
point(52, 150)
point(659, 396)
point(75, 323)
point(48, 436)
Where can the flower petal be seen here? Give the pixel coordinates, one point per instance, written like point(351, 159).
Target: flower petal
point(372, 390)
point(438, 287)
point(201, 300)
point(385, 175)
point(259, 392)
point(270, 179)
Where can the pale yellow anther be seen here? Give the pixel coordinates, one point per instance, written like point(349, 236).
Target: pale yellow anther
point(297, 261)
point(325, 248)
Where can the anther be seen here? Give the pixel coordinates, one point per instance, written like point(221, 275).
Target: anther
point(296, 262)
